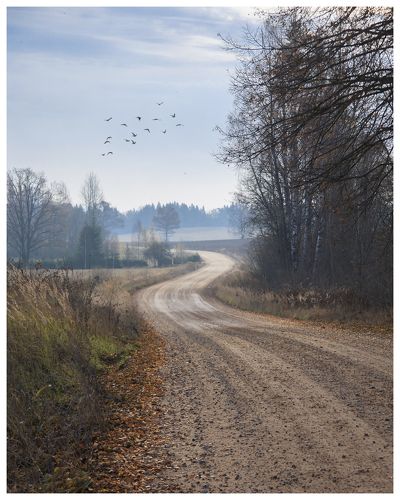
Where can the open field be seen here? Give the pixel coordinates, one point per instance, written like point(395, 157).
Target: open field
point(194, 234)
point(236, 248)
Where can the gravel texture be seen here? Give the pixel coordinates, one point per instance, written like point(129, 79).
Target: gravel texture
point(254, 403)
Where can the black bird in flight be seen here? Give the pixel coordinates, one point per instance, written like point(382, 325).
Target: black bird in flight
point(124, 125)
point(108, 119)
point(133, 133)
point(109, 137)
point(173, 116)
point(127, 140)
point(148, 130)
point(139, 118)
point(179, 125)
point(107, 142)
point(156, 119)
point(164, 131)
point(110, 153)
point(103, 154)
point(132, 141)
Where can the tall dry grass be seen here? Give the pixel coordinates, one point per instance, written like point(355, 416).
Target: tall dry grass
point(134, 279)
point(242, 290)
point(63, 328)
point(61, 332)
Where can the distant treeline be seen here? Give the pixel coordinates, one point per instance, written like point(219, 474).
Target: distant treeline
point(43, 224)
point(189, 216)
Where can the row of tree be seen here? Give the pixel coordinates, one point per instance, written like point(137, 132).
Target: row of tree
point(189, 216)
point(312, 133)
point(43, 224)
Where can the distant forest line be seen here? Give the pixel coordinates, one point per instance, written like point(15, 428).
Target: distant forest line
point(43, 225)
point(189, 216)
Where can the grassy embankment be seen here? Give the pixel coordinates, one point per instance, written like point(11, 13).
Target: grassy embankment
point(241, 290)
point(133, 279)
point(63, 333)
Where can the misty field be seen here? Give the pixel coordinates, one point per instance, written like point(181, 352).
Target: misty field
point(195, 234)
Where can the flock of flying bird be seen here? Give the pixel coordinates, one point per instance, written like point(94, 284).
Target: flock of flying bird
point(134, 134)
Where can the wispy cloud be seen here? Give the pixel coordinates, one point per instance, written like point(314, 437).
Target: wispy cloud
point(122, 29)
point(69, 67)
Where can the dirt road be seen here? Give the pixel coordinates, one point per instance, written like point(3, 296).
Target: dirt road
point(257, 404)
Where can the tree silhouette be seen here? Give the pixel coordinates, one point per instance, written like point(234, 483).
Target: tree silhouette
point(166, 220)
point(29, 212)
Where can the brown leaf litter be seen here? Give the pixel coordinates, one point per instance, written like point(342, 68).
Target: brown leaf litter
point(126, 457)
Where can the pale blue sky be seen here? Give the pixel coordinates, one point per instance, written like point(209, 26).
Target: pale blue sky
point(70, 68)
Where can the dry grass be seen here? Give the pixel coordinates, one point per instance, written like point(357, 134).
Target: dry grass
point(242, 291)
point(60, 334)
point(135, 278)
point(64, 328)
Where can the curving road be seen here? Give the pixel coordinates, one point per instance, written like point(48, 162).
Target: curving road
point(259, 404)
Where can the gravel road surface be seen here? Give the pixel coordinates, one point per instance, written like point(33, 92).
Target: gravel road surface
point(259, 404)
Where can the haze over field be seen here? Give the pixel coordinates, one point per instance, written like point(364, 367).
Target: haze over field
point(195, 234)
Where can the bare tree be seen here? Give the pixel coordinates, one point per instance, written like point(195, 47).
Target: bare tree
point(92, 197)
point(29, 212)
point(57, 243)
point(166, 220)
point(91, 237)
point(60, 193)
point(311, 133)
